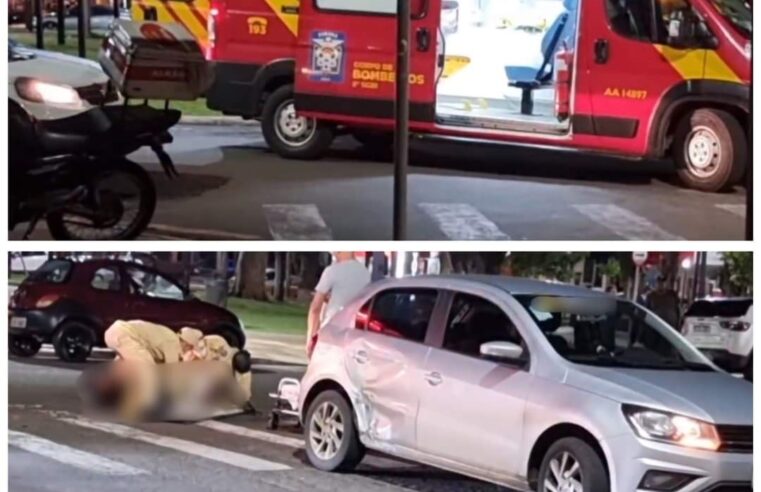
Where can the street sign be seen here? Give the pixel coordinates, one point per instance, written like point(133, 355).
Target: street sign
point(639, 258)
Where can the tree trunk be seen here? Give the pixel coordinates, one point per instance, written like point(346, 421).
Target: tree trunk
point(280, 268)
point(310, 271)
point(446, 263)
point(253, 273)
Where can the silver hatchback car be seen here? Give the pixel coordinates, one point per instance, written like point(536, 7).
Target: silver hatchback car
point(536, 386)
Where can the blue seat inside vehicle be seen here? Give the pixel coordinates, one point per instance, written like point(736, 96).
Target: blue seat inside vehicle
point(530, 78)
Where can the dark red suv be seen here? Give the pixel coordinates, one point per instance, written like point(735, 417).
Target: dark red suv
point(71, 304)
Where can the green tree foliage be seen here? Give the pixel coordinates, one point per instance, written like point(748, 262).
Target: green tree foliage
point(739, 268)
point(611, 269)
point(558, 266)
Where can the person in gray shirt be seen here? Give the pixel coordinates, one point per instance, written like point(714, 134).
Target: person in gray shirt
point(339, 283)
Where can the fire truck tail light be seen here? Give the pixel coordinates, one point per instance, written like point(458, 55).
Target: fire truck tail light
point(46, 301)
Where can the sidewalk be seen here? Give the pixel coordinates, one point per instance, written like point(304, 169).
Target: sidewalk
point(276, 347)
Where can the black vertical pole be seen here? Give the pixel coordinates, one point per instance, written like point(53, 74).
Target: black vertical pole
point(116, 9)
point(38, 8)
point(61, 21)
point(749, 181)
point(402, 129)
point(81, 28)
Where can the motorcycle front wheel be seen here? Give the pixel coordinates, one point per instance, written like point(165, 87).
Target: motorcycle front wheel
point(119, 205)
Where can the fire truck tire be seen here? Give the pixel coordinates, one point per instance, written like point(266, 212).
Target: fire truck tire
point(289, 135)
point(710, 150)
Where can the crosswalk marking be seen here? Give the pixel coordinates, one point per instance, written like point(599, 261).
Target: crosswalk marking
point(463, 222)
point(70, 456)
point(626, 224)
point(296, 222)
point(189, 447)
point(237, 430)
point(736, 209)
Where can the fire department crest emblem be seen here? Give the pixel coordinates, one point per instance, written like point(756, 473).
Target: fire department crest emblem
point(328, 50)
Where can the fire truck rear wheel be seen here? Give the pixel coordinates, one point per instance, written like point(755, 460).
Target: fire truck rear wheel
point(290, 135)
point(710, 150)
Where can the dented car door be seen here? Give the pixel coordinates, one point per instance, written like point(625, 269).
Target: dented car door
point(385, 364)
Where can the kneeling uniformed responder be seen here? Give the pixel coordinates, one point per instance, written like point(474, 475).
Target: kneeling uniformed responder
point(142, 345)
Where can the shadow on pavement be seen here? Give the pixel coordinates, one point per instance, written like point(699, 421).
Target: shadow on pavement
point(186, 185)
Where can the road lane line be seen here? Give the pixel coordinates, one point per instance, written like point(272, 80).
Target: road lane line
point(237, 430)
point(165, 231)
point(736, 209)
point(189, 447)
point(71, 456)
point(626, 224)
point(296, 222)
point(463, 222)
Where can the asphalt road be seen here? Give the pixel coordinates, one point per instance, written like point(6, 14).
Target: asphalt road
point(55, 447)
point(232, 187)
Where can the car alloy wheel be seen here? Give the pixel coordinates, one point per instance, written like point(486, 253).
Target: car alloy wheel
point(565, 474)
point(326, 431)
point(76, 343)
point(22, 346)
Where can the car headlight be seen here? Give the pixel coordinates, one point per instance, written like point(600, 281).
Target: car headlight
point(657, 425)
point(46, 92)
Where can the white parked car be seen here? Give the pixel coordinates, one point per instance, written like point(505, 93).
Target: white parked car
point(100, 20)
point(536, 386)
point(723, 329)
point(53, 85)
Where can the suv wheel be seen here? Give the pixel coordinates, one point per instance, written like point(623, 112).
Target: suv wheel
point(24, 346)
point(332, 443)
point(571, 465)
point(73, 342)
point(290, 135)
point(710, 150)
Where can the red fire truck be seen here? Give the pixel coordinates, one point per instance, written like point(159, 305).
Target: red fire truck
point(635, 78)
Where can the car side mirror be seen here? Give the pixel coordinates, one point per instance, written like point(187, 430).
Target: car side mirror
point(507, 352)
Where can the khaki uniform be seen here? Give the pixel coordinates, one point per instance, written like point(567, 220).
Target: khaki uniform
point(216, 348)
point(142, 345)
point(141, 341)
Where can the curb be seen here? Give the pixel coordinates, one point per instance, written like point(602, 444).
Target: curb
point(217, 121)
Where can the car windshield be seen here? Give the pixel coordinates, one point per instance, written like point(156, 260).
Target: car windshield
point(53, 271)
point(738, 13)
point(730, 308)
point(609, 332)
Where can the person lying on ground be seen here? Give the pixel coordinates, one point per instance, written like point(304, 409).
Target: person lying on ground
point(136, 391)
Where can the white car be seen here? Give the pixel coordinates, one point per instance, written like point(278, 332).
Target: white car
point(53, 85)
point(100, 20)
point(723, 329)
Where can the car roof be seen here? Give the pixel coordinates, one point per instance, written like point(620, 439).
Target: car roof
point(511, 285)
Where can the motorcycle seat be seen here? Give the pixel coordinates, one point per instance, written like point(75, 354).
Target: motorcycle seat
point(72, 134)
point(62, 143)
